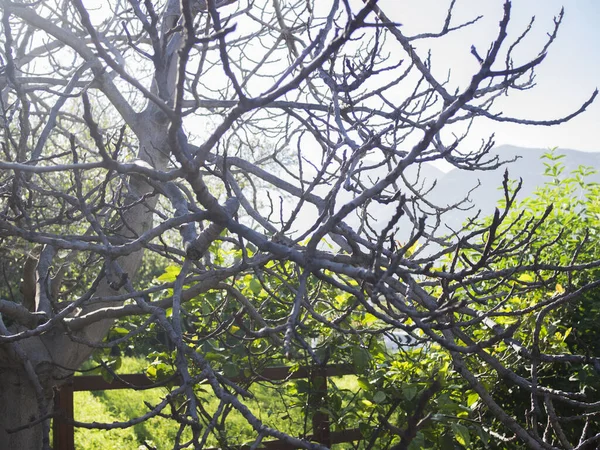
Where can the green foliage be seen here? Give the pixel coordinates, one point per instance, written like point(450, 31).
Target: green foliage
point(455, 417)
point(567, 235)
point(417, 384)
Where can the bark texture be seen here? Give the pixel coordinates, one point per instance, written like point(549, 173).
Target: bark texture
point(18, 407)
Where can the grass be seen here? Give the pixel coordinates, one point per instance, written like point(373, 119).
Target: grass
point(272, 405)
point(121, 405)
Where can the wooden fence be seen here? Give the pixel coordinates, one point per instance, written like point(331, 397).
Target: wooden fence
point(64, 430)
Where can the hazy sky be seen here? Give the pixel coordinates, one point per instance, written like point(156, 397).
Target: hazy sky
point(566, 78)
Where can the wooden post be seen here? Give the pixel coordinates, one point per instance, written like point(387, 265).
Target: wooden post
point(63, 431)
point(318, 399)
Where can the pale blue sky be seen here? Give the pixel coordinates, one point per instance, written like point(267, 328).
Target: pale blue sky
point(566, 78)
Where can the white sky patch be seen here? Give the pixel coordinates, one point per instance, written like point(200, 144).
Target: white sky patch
point(567, 77)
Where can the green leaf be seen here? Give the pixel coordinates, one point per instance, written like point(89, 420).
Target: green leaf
point(106, 376)
point(412, 249)
point(367, 403)
point(369, 319)
point(409, 392)
point(363, 383)
point(472, 398)
point(302, 386)
point(379, 397)
point(365, 428)
point(120, 330)
point(212, 356)
point(151, 372)
point(335, 401)
point(526, 278)
point(418, 443)
point(255, 286)
point(361, 358)
point(461, 434)
point(231, 370)
point(115, 364)
point(484, 436)
point(342, 299)
point(170, 274)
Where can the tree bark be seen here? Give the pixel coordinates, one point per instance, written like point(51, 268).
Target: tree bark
point(53, 352)
point(50, 353)
point(19, 406)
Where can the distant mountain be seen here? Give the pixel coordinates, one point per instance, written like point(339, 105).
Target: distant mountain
point(452, 186)
point(528, 166)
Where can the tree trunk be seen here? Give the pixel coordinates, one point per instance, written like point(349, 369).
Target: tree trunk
point(54, 350)
point(18, 407)
point(49, 353)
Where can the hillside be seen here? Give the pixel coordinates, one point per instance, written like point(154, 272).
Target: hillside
point(528, 166)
